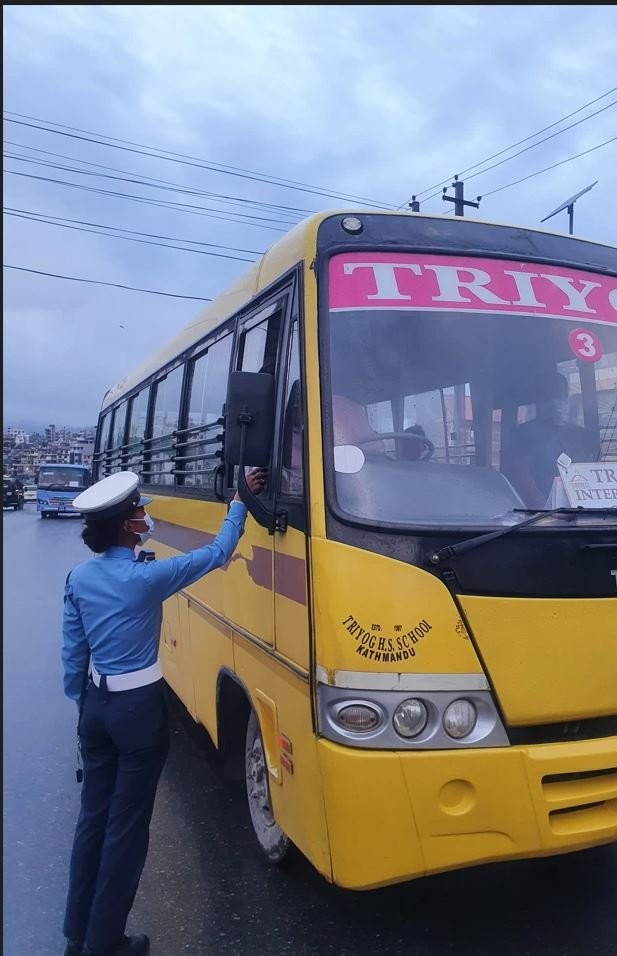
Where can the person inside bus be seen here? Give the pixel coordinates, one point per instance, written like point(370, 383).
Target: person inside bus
point(536, 445)
point(351, 426)
point(111, 627)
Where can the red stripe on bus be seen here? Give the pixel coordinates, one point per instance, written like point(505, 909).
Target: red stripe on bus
point(289, 572)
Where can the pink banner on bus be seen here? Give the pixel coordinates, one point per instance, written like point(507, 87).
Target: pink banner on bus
point(391, 280)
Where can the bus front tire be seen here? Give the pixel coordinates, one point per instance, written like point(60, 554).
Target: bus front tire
point(269, 835)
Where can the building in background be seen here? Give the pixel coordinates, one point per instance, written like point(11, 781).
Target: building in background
point(23, 453)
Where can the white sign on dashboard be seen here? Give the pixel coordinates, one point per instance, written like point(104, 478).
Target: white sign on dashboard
point(588, 484)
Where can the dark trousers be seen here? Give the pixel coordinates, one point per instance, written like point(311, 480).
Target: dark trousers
point(124, 742)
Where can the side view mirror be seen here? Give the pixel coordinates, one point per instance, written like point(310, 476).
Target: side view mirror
point(250, 401)
point(249, 431)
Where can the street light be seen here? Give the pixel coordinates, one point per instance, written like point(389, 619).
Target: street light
point(569, 205)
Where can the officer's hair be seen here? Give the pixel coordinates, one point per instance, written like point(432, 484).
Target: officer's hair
point(101, 535)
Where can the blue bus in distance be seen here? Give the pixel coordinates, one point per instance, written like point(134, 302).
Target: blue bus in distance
point(58, 485)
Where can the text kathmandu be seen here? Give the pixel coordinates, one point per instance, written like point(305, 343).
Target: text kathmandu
point(387, 649)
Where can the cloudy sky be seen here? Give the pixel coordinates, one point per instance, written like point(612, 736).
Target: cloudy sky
point(376, 102)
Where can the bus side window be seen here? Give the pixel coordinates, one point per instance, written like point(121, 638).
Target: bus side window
point(292, 465)
point(104, 440)
point(158, 467)
point(116, 450)
point(138, 419)
point(259, 344)
point(200, 442)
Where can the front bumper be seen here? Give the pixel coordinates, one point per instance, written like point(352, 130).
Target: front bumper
point(62, 507)
point(394, 816)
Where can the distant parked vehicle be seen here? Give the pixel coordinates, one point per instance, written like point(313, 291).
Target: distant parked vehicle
point(30, 492)
point(12, 495)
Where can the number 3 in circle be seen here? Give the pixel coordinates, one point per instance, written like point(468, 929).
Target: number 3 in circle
point(585, 345)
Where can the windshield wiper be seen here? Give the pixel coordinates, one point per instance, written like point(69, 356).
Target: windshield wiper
point(573, 511)
point(470, 543)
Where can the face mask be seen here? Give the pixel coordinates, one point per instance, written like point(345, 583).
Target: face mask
point(145, 535)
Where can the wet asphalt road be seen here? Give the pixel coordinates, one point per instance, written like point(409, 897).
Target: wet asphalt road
point(205, 889)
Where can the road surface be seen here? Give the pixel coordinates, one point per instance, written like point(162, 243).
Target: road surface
point(205, 889)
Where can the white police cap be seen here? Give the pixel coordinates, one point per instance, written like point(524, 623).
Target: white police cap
point(112, 496)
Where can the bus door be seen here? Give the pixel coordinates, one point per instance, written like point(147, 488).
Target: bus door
point(290, 548)
point(249, 581)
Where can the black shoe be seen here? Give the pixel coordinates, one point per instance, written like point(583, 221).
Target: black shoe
point(72, 948)
point(130, 946)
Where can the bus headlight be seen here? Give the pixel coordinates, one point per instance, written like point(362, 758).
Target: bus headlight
point(410, 717)
point(414, 719)
point(459, 718)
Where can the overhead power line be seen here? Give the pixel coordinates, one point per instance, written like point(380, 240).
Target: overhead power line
point(562, 162)
point(519, 142)
point(533, 145)
point(115, 285)
point(241, 215)
point(218, 167)
point(134, 232)
point(138, 180)
point(184, 159)
point(545, 140)
point(195, 210)
point(110, 235)
point(149, 180)
point(539, 132)
point(553, 166)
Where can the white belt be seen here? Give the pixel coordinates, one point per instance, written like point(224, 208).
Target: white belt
point(147, 675)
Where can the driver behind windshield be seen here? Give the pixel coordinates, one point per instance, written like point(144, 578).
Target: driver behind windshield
point(351, 426)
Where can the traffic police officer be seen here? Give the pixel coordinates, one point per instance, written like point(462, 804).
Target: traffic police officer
point(112, 615)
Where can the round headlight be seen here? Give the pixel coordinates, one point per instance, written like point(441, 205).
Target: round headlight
point(358, 718)
point(459, 718)
point(410, 718)
point(352, 224)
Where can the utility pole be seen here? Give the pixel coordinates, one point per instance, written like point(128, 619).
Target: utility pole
point(458, 199)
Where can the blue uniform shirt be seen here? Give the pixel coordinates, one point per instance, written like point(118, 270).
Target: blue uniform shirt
point(112, 606)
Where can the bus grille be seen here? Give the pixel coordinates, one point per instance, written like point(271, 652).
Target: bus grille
point(582, 802)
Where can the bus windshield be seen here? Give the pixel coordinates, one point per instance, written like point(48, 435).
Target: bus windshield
point(456, 385)
point(62, 478)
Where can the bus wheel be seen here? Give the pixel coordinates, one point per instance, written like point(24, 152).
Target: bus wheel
point(269, 835)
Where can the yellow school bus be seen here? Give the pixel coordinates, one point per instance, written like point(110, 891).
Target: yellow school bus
point(413, 652)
